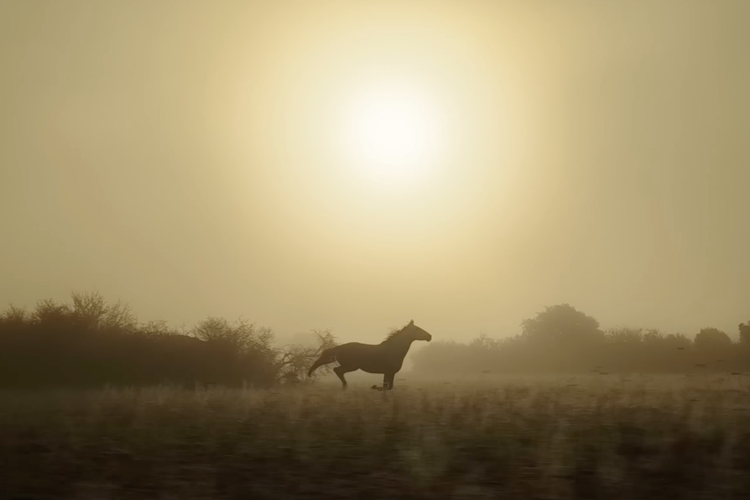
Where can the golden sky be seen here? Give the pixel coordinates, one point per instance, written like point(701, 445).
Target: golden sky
point(354, 165)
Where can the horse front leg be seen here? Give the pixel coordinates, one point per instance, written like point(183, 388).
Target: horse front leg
point(388, 381)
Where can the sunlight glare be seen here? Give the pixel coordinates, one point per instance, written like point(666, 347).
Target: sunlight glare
point(394, 133)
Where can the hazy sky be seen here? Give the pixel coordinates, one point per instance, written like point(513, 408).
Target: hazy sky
point(354, 165)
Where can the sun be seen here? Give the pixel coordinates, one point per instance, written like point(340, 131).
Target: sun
point(394, 132)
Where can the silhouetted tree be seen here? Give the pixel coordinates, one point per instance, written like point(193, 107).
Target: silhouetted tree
point(294, 360)
point(91, 342)
point(484, 342)
point(745, 333)
point(625, 336)
point(564, 339)
point(560, 337)
point(94, 312)
point(14, 316)
point(712, 339)
point(561, 324)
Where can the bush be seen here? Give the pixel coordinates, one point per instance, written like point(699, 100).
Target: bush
point(91, 343)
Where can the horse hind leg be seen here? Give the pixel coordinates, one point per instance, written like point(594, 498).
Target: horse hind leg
point(340, 371)
point(324, 359)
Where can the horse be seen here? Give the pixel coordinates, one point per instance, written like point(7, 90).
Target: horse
point(386, 357)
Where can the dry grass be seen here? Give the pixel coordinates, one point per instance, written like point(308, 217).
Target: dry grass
point(586, 438)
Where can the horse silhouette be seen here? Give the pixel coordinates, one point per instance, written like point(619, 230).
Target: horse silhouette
point(386, 357)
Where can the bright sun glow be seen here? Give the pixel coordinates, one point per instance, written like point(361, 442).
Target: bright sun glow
point(394, 133)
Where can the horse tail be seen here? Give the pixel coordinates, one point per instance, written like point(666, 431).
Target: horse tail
point(326, 357)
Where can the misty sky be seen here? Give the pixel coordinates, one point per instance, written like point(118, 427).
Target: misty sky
point(194, 159)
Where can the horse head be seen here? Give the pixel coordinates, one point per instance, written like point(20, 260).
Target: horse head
point(417, 333)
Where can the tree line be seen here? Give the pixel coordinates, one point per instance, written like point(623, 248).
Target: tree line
point(562, 339)
point(89, 343)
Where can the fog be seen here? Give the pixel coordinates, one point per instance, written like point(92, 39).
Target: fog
point(189, 158)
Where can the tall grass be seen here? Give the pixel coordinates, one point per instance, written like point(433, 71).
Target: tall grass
point(586, 437)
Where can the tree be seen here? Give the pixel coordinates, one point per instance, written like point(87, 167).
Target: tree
point(485, 343)
point(712, 339)
point(96, 314)
point(237, 337)
point(294, 360)
point(625, 335)
point(49, 313)
point(88, 343)
point(561, 339)
point(677, 341)
point(14, 316)
point(745, 333)
point(561, 324)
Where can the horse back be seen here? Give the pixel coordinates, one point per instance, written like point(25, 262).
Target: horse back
point(373, 358)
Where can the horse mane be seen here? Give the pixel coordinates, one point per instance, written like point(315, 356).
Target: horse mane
point(395, 332)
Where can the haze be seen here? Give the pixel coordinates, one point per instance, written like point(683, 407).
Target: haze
point(213, 158)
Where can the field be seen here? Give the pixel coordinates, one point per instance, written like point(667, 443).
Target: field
point(526, 438)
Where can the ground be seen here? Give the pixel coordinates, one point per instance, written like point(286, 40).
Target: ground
point(613, 437)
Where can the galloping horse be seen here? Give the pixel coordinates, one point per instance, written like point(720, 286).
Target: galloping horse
point(386, 357)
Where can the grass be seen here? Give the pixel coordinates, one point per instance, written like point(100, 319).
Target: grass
point(543, 438)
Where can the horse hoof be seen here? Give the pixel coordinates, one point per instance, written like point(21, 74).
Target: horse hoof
point(374, 387)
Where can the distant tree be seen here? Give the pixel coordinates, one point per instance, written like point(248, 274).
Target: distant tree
point(677, 340)
point(441, 357)
point(303, 338)
point(237, 351)
point(14, 316)
point(485, 342)
point(294, 360)
point(49, 312)
point(560, 339)
point(238, 336)
point(625, 335)
point(653, 336)
point(158, 328)
point(561, 324)
point(711, 339)
point(745, 333)
point(93, 311)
